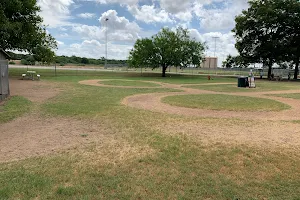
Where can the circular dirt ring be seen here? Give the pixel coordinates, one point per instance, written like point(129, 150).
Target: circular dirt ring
point(100, 82)
point(152, 102)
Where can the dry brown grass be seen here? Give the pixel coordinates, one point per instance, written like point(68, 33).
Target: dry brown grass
point(109, 151)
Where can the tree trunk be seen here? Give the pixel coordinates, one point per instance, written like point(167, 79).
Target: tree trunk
point(164, 68)
point(270, 71)
point(296, 69)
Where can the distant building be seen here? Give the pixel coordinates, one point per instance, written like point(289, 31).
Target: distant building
point(210, 62)
point(4, 84)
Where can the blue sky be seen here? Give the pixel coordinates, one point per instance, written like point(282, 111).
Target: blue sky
point(79, 25)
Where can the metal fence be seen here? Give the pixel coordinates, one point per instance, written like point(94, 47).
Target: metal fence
point(16, 70)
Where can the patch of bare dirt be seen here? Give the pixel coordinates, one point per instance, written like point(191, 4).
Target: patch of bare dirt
point(32, 135)
point(35, 91)
point(35, 135)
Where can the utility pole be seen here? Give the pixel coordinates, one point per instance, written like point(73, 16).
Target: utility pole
point(105, 66)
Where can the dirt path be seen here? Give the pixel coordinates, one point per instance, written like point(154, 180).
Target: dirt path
point(264, 129)
point(34, 135)
point(153, 102)
point(35, 91)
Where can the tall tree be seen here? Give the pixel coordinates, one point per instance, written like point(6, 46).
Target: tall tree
point(167, 48)
point(143, 54)
point(292, 27)
point(43, 54)
point(229, 62)
point(84, 60)
point(261, 32)
point(235, 61)
point(21, 27)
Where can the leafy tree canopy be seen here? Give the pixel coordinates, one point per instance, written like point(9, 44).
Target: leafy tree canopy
point(167, 48)
point(21, 27)
point(39, 57)
point(43, 54)
point(267, 30)
point(235, 61)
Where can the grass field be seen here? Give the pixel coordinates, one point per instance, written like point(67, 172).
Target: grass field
point(49, 74)
point(292, 96)
point(14, 108)
point(129, 83)
point(139, 156)
point(225, 102)
point(260, 86)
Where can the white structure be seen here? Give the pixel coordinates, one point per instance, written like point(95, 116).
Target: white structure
point(4, 84)
point(210, 63)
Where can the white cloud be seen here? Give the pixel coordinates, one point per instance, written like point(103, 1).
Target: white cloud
point(149, 14)
point(183, 6)
point(55, 12)
point(89, 32)
point(194, 34)
point(86, 15)
point(121, 2)
point(184, 16)
point(97, 33)
point(213, 19)
point(62, 29)
point(95, 49)
point(212, 14)
point(175, 6)
point(63, 35)
point(118, 29)
point(60, 43)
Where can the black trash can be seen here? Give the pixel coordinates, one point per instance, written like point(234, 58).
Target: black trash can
point(243, 81)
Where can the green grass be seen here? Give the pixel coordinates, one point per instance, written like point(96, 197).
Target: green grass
point(292, 96)
point(260, 87)
point(93, 101)
point(129, 83)
point(181, 170)
point(296, 121)
point(13, 108)
point(225, 102)
point(73, 75)
point(176, 166)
